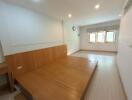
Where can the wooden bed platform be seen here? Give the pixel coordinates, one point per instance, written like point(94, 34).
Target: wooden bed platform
point(66, 78)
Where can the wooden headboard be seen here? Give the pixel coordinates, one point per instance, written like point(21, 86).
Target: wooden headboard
point(27, 61)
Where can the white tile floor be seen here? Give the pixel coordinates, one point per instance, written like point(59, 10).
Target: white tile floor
point(105, 84)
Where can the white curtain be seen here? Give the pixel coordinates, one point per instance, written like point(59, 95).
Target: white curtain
point(2, 58)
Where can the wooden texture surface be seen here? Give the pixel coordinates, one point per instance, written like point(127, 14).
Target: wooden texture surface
point(20, 97)
point(105, 84)
point(64, 79)
point(4, 70)
point(21, 63)
point(49, 74)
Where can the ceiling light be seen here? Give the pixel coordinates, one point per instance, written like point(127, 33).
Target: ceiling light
point(36, 1)
point(120, 15)
point(69, 15)
point(97, 6)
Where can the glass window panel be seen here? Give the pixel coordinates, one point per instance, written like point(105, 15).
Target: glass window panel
point(110, 37)
point(101, 37)
point(92, 37)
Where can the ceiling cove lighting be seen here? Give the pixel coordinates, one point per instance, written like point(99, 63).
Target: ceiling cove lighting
point(69, 15)
point(97, 6)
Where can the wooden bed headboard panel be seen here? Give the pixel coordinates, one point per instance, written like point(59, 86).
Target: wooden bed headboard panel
point(24, 62)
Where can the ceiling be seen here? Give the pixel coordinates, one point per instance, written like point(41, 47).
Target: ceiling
point(83, 11)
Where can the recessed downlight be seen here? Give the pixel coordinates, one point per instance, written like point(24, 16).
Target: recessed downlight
point(120, 15)
point(97, 6)
point(69, 15)
point(36, 1)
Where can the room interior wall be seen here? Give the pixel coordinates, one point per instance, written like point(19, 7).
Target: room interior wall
point(24, 30)
point(84, 38)
point(124, 58)
point(32, 30)
point(71, 38)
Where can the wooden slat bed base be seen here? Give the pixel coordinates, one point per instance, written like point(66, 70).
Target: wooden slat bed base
point(49, 74)
point(65, 79)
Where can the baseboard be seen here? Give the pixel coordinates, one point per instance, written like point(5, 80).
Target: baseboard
point(73, 52)
point(98, 50)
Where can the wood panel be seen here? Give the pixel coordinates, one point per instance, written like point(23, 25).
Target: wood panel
point(20, 97)
point(64, 79)
point(4, 71)
point(49, 74)
point(25, 62)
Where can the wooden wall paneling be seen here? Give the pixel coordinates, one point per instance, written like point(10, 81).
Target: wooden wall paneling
point(64, 51)
point(10, 62)
point(21, 63)
point(29, 60)
point(59, 52)
point(43, 57)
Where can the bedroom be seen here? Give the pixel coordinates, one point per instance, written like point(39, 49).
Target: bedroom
point(35, 33)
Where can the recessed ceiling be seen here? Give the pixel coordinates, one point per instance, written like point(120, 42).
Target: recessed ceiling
point(83, 11)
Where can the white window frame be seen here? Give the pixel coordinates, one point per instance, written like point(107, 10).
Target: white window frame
point(95, 36)
point(114, 36)
point(105, 40)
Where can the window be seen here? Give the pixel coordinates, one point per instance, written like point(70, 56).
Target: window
point(92, 37)
point(102, 37)
point(110, 37)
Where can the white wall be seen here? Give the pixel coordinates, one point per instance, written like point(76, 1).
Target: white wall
point(84, 38)
point(71, 37)
point(23, 30)
point(124, 58)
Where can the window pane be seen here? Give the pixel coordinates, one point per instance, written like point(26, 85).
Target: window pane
point(92, 37)
point(101, 37)
point(110, 37)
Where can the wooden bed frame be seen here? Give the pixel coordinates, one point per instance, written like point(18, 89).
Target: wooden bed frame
point(49, 74)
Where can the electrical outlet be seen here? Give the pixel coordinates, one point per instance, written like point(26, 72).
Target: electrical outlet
point(19, 67)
